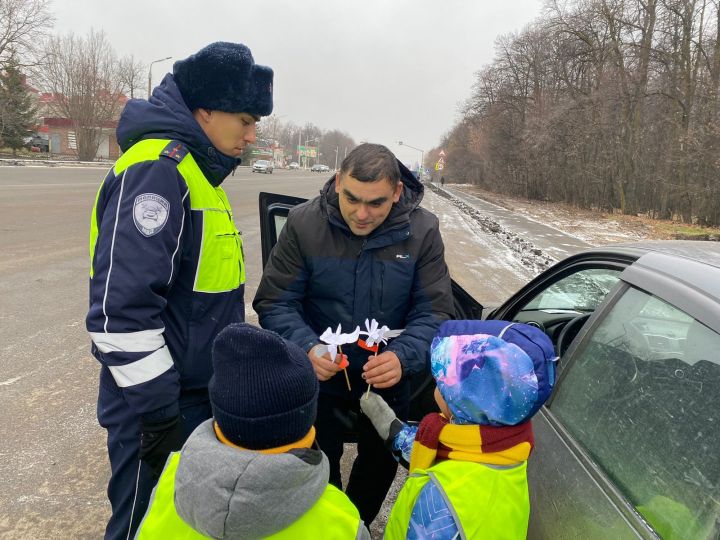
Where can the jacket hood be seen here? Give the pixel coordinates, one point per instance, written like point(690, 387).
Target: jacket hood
point(166, 116)
point(224, 492)
point(410, 199)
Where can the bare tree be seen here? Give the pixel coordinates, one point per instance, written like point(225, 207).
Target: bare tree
point(611, 104)
point(334, 146)
point(131, 73)
point(22, 26)
point(82, 74)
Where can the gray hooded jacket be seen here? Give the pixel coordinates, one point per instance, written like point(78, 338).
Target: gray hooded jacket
point(222, 492)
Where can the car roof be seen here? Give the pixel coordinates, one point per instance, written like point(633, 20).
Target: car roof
point(685, 273)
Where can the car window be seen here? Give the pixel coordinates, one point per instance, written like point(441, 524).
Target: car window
point(582, 291)
point(279, 220)
point(642, 397)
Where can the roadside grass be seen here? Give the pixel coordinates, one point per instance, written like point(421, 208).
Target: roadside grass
point(684, 231)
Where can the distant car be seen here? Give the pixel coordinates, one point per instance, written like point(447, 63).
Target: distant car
point(319, 168)
point(294, 165)
point(325, 168)
point(625, 447)
point(263, 166)
point(38, 143)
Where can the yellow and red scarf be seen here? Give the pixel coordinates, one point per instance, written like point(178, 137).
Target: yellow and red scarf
point(438, 440)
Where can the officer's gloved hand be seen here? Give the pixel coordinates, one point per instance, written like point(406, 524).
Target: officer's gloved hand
point(379, 413)
point(157, 440)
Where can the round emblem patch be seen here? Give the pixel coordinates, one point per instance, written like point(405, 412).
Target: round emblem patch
point(150, 213)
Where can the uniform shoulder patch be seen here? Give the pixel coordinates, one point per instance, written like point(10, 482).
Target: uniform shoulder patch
point(150, 213)
point(174, 150)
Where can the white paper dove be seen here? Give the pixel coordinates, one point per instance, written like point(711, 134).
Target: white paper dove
point(378, 334)
point(337, 338)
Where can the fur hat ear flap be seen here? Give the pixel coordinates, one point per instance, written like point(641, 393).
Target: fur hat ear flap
point(224, 77)
point(262, 80)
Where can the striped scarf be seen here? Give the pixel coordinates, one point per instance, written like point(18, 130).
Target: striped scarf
point(438, 440)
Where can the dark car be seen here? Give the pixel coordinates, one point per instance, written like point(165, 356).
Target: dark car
point(38, 143)
point(627, 445)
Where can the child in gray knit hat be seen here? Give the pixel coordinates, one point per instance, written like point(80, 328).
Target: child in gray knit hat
point(254, 469)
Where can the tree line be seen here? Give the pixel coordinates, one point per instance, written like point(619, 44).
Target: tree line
point(605, 104)
point(88, 83)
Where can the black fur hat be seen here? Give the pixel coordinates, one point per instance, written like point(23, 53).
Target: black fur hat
point(224, 77)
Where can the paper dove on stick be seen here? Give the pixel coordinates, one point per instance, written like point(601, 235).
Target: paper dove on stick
point(336, 339)
point(377, 334)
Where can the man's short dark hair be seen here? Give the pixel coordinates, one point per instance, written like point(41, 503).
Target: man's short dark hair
point(371, 163)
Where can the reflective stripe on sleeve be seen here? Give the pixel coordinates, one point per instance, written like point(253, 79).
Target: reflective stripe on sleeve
point(143, 370)
point(145, 340)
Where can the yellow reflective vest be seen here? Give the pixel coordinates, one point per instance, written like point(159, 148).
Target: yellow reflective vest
point(165, 258)
point(487, 501)
point(332, 517)
point(220, 266)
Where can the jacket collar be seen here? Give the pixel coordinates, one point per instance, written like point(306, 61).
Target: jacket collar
point(166, 116)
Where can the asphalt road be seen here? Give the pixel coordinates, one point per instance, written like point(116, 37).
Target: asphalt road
point(53, 464)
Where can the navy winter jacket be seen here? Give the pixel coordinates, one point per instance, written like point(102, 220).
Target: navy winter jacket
point(151, 329)
point(321, 274)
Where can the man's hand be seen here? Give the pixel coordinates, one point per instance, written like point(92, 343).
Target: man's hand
point(383, 370)
point(157, 440)
point(323, 366)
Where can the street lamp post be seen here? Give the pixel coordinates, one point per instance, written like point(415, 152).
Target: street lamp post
point(150, 72)
point(422, 155)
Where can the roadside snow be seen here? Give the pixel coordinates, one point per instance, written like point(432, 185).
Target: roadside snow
point(595, 228)
point(488, 262)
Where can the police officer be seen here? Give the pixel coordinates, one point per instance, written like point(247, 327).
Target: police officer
point(167, 271)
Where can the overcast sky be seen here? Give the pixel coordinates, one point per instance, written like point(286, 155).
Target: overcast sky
point(381, 70)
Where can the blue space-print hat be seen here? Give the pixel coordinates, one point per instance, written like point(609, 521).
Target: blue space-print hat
point(492, 372)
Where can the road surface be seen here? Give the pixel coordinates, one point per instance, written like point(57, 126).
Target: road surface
point(53, 462)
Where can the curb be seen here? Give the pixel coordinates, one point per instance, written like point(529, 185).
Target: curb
point(19, 162)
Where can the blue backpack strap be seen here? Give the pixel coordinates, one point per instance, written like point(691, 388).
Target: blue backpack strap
point(175, 150)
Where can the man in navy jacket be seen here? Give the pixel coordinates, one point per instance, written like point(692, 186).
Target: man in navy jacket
point(363, 249)
point(166, 265)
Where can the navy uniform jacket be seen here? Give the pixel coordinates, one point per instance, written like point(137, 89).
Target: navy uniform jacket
point(151, 330)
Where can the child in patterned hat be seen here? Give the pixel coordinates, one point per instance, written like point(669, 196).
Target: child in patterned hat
point(468, 463)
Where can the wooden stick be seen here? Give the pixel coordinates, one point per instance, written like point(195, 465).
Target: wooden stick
point(347, 379)
point(367, 394)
